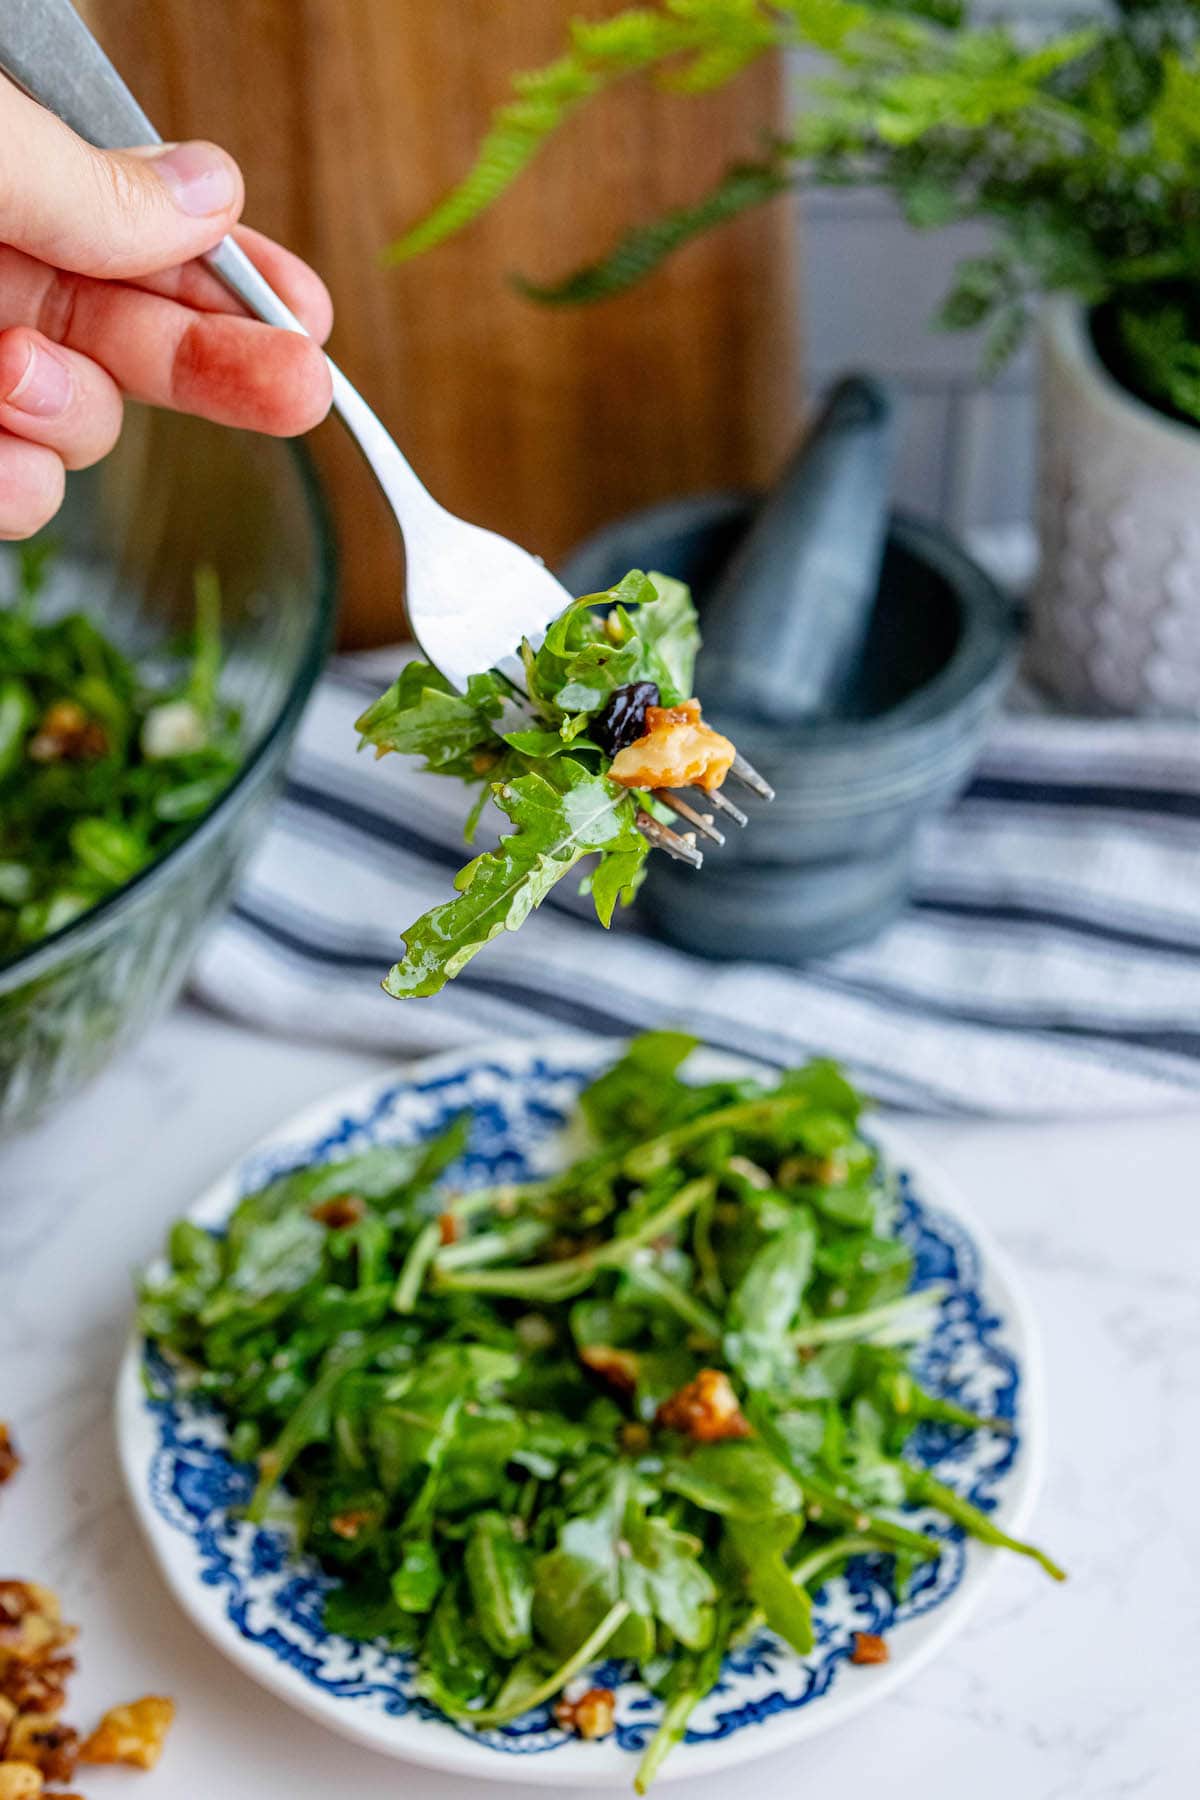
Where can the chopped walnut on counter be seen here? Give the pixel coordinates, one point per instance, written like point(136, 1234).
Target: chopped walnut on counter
point(31, 1624)
point(133, 1734)
point(36, 1748)
point(10, 1462)
point(677, 750)
point(20, 1781)
point(39, 1738)
point(591, 1716)
point(706, 1409)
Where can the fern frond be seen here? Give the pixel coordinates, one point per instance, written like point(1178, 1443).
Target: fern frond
point(738, 32)
point(602, 52)
point(645, 247)
point(545, 99)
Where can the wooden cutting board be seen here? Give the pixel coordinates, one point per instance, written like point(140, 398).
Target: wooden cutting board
point(350, 117)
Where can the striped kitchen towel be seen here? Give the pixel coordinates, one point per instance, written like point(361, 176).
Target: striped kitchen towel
point(1049, 963)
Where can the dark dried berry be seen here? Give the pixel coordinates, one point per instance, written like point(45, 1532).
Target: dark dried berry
point(623, 720)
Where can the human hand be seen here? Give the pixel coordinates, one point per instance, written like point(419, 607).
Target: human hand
point(101, 296)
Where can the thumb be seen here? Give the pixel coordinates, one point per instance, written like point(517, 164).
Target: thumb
point(115, 213)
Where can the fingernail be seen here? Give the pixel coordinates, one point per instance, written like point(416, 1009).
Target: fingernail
point(46, 387)
point(200, 178)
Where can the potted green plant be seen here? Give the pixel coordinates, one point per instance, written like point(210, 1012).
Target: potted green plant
point(1082, 148)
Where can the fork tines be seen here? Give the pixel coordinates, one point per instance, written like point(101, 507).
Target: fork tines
point(682, 845)
point(733, 813)
point(749, 776)
point(661, 837)
point(701, 821)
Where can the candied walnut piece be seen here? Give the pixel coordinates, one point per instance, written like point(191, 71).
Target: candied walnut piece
point(349, 1524)
point(706, 1409)
point(340, 1211)
point(10, 1462)
point(869, 1647)
point(678, 750)
point(591, 1716)
point(67, 734)
point(31, 1626)
point(38, 1738)
point(826, 1171)
point(36, 1687)
point(20, 1781)
point(133, 1734)
point(618, 1367)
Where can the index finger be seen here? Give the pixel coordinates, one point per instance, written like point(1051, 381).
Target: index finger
point(298, 286)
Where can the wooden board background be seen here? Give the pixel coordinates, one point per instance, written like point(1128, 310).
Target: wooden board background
point(349, 118)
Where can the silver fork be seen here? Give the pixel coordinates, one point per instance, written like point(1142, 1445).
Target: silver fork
point(473, 596)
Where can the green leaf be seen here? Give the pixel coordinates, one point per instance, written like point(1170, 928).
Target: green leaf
point(280, 1257)
point(785, 1606)
point(206, 652)
point(556, 827)
point(670, 632)
point(766, 1301)
point(417, 1582)
point(664, 1572)
point(17, 716)
point(616, 878)
point(108, 849)
point(500, 1579)
point(738, 1479)
point(639, 1094)
point(577, 1583)
point(456, 1668)
point(422, 715)
point(365, 1610)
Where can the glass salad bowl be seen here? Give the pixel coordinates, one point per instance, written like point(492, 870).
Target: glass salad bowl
point(177, 493)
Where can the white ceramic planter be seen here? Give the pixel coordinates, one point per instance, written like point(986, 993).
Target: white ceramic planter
point(1115, 622)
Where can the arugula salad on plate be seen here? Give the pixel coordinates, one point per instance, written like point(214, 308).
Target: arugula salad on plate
point(626, 1414)
point(612, 720)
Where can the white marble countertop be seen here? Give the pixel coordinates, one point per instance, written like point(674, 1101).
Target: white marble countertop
point(1079, 1693)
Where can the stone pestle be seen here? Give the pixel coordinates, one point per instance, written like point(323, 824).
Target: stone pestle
point(784, 627)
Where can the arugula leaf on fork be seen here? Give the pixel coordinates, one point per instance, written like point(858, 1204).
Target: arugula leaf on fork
point(550, 777)
point(560, 815)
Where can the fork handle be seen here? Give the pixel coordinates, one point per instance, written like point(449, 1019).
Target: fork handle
point(50, 52)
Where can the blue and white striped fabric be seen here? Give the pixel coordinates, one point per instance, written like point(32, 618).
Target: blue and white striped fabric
point(1049, 963)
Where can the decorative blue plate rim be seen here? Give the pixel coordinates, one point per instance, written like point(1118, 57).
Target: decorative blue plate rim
point(260, 1604)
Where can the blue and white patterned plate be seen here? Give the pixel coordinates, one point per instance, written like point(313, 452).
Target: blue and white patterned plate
point(261, 1604)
